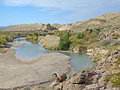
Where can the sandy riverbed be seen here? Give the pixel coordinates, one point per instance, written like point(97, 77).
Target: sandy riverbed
point(15, 72)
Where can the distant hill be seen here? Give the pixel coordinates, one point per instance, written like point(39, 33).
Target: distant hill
point(29, 27)
point(104, 21)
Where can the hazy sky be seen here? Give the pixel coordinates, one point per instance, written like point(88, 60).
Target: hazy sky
point(53, 11)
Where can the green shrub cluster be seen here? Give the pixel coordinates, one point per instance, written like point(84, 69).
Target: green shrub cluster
point(115, 79)
point(78, 40)
point(33, 38)
point(80, 36)
point(5, 37)
point(64, 41)
point(2, 43)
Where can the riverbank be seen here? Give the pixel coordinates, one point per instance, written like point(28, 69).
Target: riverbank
point(15, 72)
point(99, 37)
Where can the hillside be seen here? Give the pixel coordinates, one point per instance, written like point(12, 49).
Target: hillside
point(104, 21)
point(98, 37)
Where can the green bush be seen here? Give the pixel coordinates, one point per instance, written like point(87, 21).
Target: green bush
point(115, 79)
point(32, 38)
point(64, 41)
point(80, 36)
point(1, 43)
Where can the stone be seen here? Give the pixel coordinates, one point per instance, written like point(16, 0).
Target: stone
point(63, 77)
point(102, 82)
point(73, 87)
point(58, 79)
point(79, 78)
point(103, 88)
point(59, 87)
point(92, 87)
point(95, 79)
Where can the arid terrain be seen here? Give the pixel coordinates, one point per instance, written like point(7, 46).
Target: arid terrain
point(98, 37)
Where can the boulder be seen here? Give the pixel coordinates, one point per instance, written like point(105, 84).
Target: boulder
point(48, 27)
point(59, 87)
point(102, 81)
point(79, 78)
point(73, 87)
point(92, 87)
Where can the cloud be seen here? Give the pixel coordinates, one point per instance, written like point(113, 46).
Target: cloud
point(60, 4)
point(76, 9)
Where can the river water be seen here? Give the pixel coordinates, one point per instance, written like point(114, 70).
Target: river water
point(30, 51)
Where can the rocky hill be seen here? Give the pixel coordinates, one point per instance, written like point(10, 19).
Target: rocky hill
point(104, 21)
point(29, 27)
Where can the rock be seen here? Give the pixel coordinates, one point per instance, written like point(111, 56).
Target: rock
point(73, 87)
point(55, 83)
point(48, 27)
point(92, 87)
point(59, 87)
point(111, 42)
point(63, 77)
point(65, 27)
point(102, 81)
point(58, 79)
point(103, 88)
point(95, 79)
point(79, 49)
point(75, 50)
point(117, 88)
point(79, 78)
point(116, 72)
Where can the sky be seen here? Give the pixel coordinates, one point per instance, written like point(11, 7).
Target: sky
point(14, 12)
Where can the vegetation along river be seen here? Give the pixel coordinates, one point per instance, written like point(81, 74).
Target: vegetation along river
point(29, 51)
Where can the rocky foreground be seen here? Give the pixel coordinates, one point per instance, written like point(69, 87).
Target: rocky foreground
point(105, 52)
point(104, 77)
point(15, 72)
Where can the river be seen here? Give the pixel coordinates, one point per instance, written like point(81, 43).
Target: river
point(30, 51)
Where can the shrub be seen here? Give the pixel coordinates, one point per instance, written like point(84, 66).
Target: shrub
point(80, 36)
point(1, 43)
point(64, 41)
point(32, 38)
point(115, 79)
